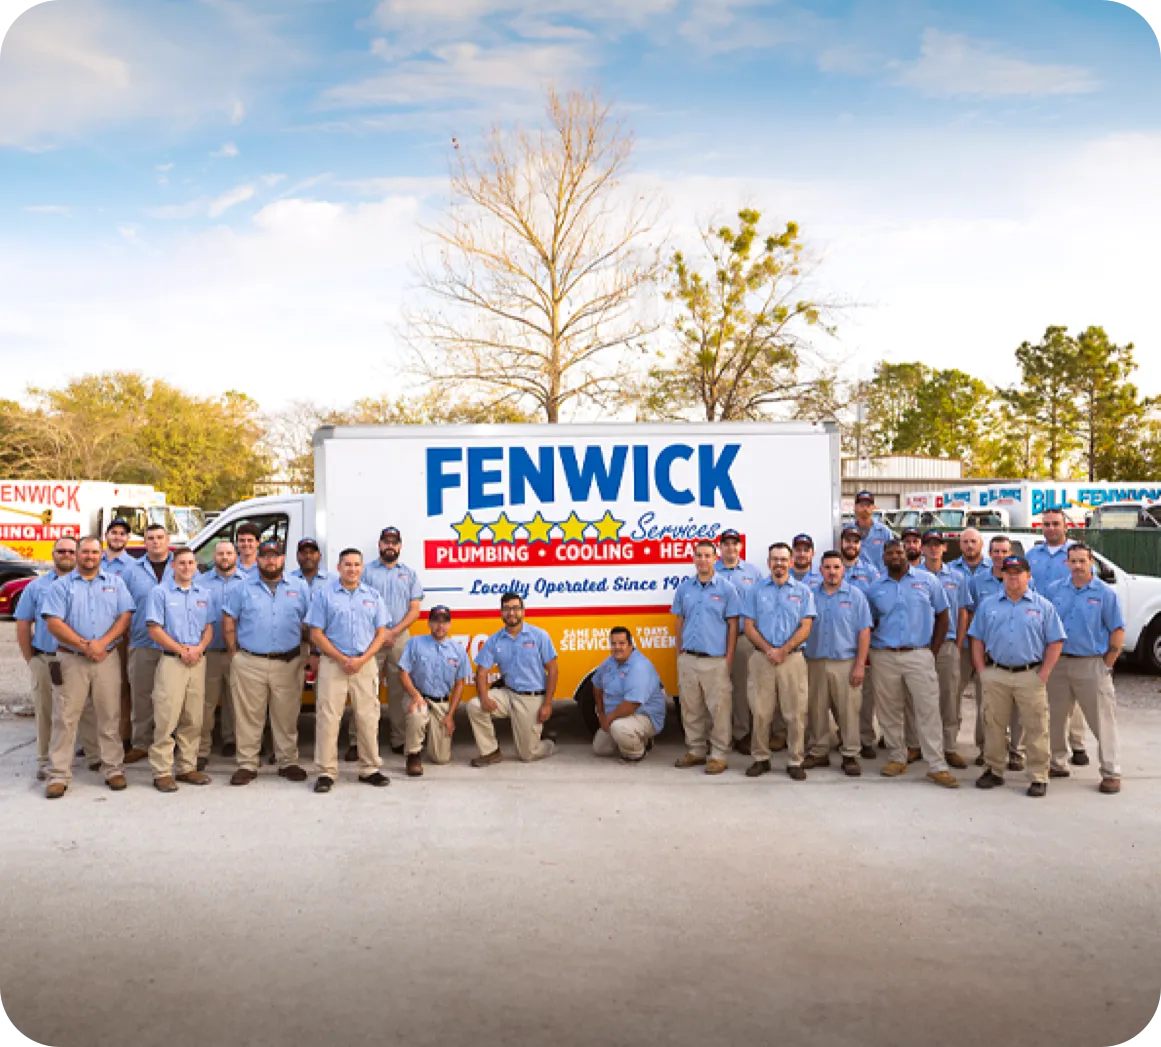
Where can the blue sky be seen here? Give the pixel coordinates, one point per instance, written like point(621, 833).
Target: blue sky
point(227, 193)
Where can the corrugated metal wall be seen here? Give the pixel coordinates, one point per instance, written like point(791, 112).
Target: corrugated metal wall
point(1138, 551)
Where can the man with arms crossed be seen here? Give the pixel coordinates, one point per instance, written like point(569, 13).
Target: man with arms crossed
point(528, 671)
point(348, 624)
point(87, 611)
point(630, 700)
point(707, 608)
point(433, 671)
point(180, 618)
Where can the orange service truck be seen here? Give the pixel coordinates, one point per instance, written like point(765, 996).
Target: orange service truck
point(593, 525)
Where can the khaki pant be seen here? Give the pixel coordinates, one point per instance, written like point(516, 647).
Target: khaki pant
point(868, 730)
point(897, 675)
point(332, 689)
point(950, 694)
point(1076, 728)
point(43, 693)
point(217, 693)
point(429, 722)
point(1004, 692)
point(626, 737)
point(258, 685)
point(830, 688)
point(740, 681)
point(967, 673)
point(85, 680)
point(179, 698)
point(1085, 685)
point(707, 703)
point(397, 698)
point(522, 710)
point(142, 672)
point(782, 687)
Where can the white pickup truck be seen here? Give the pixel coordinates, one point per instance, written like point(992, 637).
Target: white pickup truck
point(1140, 597)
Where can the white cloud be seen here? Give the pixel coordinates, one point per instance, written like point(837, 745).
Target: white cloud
point(229, 149)
point(238, 195)
point(717, 27)
point(237, 112)
point(52, 209)
point(269, 180)
point(163, 167)
point(952, 65)
point(130, 234)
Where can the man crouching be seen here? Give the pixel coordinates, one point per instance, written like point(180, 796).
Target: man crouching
point(630, 700)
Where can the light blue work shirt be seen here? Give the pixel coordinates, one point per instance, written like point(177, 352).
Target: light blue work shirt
point(399, 585)
point(955, 588)
point(905, 610)
point(141, 581)
point(219, 585)
point(118, 564)
point(311, 583)
point(967, 570)
point(633, 681)
point(706, 610)
point(347, 617)
point(741, 576)
point(839, 618)
point(813, 577)
point(778, 610)
point(1089, 614)
point(268, 622)
point(182, 613)
point(89, 608)
point(31, 609)
point(874, 538)
point(435, 665)
point(862, 574)
point(521, 658)
point(1016, 632)
point(1049, 566)
point(984, 584)
point(246, 573)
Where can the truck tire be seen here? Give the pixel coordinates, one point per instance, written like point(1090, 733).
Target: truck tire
point(1149, 651)
point(587, 701)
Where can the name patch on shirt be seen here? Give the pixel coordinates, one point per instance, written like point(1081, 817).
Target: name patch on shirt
point(1096, 601)
point(291, 592)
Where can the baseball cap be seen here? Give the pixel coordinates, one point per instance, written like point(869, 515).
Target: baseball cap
point(853, 529)
point(270, 547)
point(440, 611)
point(933, 536)
point(304, 542)
point(864, 496)
point(910, 532)
point(729, 532)
point(803, 539)
point(389, 532)
point(1017, 562)
point(119, 522)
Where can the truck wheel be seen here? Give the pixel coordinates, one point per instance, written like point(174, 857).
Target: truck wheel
point(1149, 651)
point(587, 700)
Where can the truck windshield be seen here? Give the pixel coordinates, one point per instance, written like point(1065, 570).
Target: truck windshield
point(162, 514)
point(1117, 519)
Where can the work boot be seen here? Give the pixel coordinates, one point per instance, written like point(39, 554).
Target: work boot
point(95, 765)
point(42, 773)
point(758, 768)
point(1110, 785)
point(944, 778)
point(797, 773)
point(980, 761)
point(203, 763)
point(742, 745)
point(989, 780)
point(375, 778)
point(165, 784)
point(55, 790)
point(1079, 758)
point(816, 761)
point(292, 773)
point(414, 766)
point(324, 784)
point(689, 760)
point(777, 742)
point(352, 754)
point(243, 776)
point(1059, 772)
point(955, 760)
point(1015, 762)
point(117, 783)
point(229, 749)
point(869, 752)
point(194, 778)
point(914, 755)
point(893, 769)
point(495, 756)
point(1038, 789)
point(851, 767)
point(135, 755)
point(715, 766)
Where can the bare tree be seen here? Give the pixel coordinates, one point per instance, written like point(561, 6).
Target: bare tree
point(540, 260)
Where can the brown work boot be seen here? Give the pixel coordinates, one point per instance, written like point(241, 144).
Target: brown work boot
point(165, 784)
point(1110, 785)
point(816, 761)
point(914, 755)
point(955, 760)
point(777, 742)
point(1015, 762)
point(135, 755)
point(893, 769)
point(42, 773)
point(495, 756)
point(203, 763)
point(715, 766)
point(55, 790)
point(689, 760)
point(243, 776)
point(742, 745)
point(758, 768)
point(414, 766)
point(292, 773)
point(195, 778)
point(944, 778)
point(117, 783)
point(851, 767)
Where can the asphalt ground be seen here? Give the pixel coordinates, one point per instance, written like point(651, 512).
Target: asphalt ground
point(581, 901)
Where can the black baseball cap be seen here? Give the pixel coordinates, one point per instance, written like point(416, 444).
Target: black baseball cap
point(803, 539)
point(934, 536)
point(390, 532)
point(119, 522)
point(1017, 563)
point(729, 532)
point(270, 547)
point(440, 611)
point(853, 529)
point(303, 543)
point(864, 496)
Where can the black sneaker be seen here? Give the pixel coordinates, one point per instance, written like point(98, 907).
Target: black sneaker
point(1059, 772)
point(324, 784)
point(229, 749)
point(758, 768)
point(378, 778)
point(1079, 758)
point(1038, 789)
point(989, 780)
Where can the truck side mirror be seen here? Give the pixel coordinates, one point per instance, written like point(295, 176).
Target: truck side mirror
point(1106, 572)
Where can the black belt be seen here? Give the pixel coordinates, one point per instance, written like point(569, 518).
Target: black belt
point(898, 648)
point(276, 656)
point(701, 654)
point(528, 694)
point(170, 654)
point(443, 698)
point(1014, 668)
point(1062, 655)
point(37, 651)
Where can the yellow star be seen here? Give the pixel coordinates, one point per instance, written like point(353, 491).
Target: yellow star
point(504, 530)
point(574, 528)
point(538, 528)
point(468, 531)
point(608, 527)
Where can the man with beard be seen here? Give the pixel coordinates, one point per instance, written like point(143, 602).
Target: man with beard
point(874, 534)
point(741, 574)
point(141, 579)
point(218, 581)
point(861, 574)
point(433, 671)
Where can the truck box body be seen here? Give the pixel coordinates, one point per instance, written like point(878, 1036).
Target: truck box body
point(594, 525)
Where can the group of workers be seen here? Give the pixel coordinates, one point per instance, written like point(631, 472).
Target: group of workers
point(882, 632)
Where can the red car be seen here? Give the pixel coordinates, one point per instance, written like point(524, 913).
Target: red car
point(10, 595)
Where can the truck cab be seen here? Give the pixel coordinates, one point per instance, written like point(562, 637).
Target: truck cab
point(281, 518)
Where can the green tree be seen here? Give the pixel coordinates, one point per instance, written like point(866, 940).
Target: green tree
point(1048, 395)
point(1111, 413)
point(741, 328)
point(886, 399)
point(949, 416)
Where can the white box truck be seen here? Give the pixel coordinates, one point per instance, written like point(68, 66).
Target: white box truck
point(593, 525)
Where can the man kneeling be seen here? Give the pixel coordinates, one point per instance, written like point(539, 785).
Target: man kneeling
point(630, 700)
